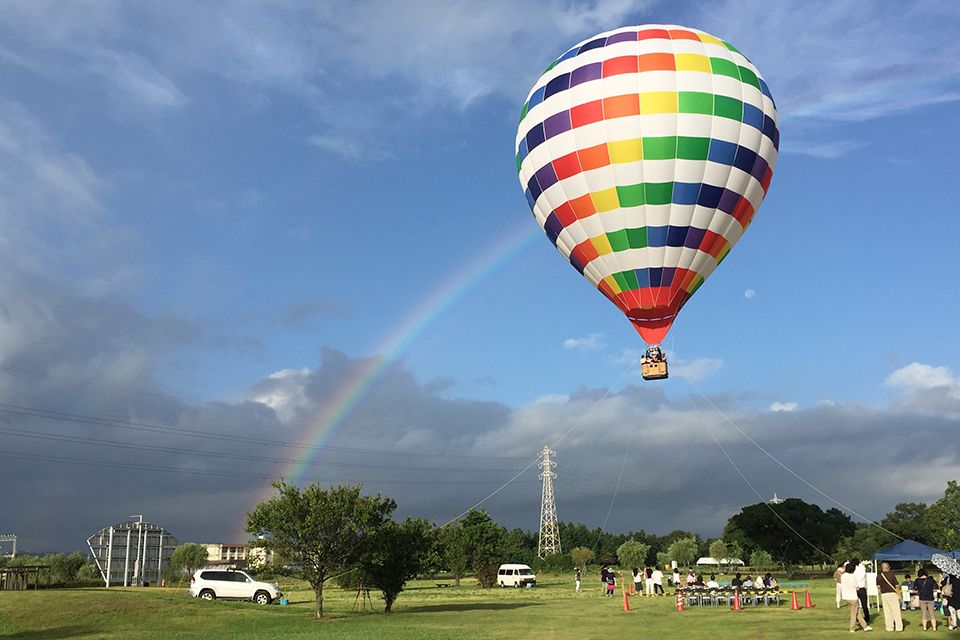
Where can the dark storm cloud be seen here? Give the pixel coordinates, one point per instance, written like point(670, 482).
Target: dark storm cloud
point(197, 469)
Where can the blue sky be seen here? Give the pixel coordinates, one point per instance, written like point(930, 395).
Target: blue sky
point(195, 197)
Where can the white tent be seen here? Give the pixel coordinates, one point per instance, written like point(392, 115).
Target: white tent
point(713, 562)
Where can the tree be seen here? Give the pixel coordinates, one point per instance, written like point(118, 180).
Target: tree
point(942, 518)
point(65, 566)
point(908, 520)
point(453, 552)
point(760, 559)
point(863, 542)
point(632, 554)
point(684, 550)
point(321, 531)
point(718, 551)
point(663, 559)
point(394, 554)
point(581, 556)
point(482, 541)
point(187, 559)
point(792, 532)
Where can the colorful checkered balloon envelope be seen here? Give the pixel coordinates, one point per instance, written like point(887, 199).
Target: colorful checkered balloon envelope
point(644, 153)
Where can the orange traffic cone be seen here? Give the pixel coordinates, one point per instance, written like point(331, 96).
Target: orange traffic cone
point(736, 601)
point(808, 603)
point(626, 603)
point(793, 602)
point(629, 588)
point(679, 602)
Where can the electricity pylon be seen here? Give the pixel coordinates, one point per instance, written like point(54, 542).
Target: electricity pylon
point(549, 542)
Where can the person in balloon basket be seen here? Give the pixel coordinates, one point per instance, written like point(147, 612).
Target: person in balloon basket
point(860, 573)
point(890, 598)
point(848, 591)
point(925, 586)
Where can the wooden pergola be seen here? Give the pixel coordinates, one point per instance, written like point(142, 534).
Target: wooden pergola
point(18, 578)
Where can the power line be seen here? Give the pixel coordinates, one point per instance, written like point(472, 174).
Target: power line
point(788, 469)
point(18, 455)
point(56, 437)
point(60, 416)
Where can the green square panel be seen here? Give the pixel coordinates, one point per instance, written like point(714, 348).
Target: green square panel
point(631, 195)
point(724, 68)
point(621, 281)
point(728, 108)
point(660, 148)
point(692, 148)
point(749, 77)
point(618, 240)
point(630, 278)
point(637, 238)
point(659, 192)
point(695, 102)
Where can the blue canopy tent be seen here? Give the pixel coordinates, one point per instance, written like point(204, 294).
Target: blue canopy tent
point(910, 551)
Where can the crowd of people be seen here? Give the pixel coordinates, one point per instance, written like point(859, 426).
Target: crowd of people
point(925, 593)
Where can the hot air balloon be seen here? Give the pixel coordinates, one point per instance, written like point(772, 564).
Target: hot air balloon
point(644, 153)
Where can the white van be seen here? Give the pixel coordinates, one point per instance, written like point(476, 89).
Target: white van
point(516, 575)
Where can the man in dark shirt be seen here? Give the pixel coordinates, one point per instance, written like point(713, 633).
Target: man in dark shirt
point(890, 598)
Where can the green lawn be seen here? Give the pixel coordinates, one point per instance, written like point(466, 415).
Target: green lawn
point(552, 610)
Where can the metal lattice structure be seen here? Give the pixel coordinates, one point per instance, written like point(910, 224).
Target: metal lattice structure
point(132, 553)
point(9, 537)
point(549, 542)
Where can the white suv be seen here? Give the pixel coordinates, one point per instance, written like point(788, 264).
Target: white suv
point(211, 584)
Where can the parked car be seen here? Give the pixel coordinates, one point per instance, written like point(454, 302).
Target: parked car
point(211, 584)
point(516, 575)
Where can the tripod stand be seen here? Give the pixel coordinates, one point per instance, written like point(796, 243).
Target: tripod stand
point(363, 598)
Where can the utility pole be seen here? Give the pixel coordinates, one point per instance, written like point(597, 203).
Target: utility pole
point(549, 542)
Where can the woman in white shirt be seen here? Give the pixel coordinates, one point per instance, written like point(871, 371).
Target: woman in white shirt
point(848, 591)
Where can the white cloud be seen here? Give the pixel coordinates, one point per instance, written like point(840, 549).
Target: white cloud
point(784, 407)
point(696, 369)
point(284, 392)
point(919, 377)
point(590, 343)
point(852, 61)
point(350, 147)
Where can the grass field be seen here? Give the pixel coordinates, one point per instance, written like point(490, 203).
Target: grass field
point(552, 610)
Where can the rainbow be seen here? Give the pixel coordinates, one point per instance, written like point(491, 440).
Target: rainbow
point(323, 427)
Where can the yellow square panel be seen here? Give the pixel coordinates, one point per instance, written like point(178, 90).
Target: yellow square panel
point(613, 285)
point(692, 62)
point(625, 151)
point(658, 102)
point(605, 200)
point(601, 244)
point(706, 37)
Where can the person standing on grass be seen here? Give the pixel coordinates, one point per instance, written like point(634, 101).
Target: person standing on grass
point(925, 586)
point(648, 581)
point(836, 578)
point(950, 590)
point(611, 583)
point(577, 579)
point(890, 598)
point(860, 573)
point(676, 577)
point(848, 591)
point(657, 581)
